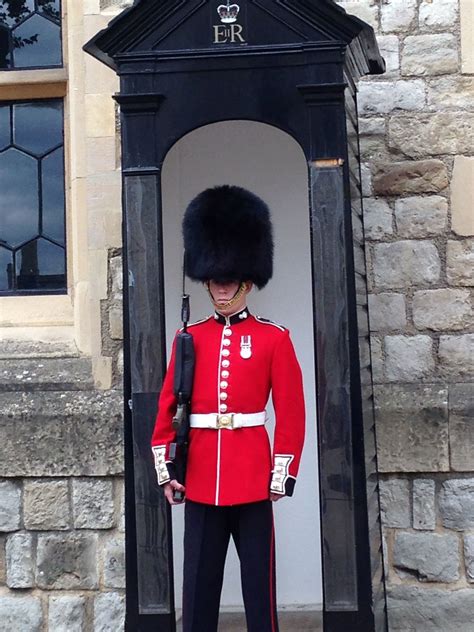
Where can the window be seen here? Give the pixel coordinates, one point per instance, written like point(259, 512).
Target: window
point(32, 191)
point(30, 34)
point(32, 209)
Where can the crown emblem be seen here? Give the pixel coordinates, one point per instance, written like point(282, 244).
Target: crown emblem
point(228, 13)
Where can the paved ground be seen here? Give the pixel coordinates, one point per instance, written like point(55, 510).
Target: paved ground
point(288, 622)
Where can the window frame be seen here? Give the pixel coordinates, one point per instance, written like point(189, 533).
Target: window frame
point(35, 84)
point(61, 42)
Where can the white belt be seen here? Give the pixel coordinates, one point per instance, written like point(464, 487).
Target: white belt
point(229, 421)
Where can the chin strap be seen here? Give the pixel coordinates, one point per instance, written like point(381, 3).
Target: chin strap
point(237, 296)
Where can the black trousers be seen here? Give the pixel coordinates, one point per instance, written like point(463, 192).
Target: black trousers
point(207, 530)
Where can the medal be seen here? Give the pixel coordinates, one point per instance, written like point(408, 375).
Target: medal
point(245, 347)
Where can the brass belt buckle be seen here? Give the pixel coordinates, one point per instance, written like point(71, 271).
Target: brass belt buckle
point(225, 421)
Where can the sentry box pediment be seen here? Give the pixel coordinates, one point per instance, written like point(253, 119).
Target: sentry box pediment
point(161, 30)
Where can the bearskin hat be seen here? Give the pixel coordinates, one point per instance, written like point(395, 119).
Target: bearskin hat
point(227, 234)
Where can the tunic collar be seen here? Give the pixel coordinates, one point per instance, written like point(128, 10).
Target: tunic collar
point(239, 317)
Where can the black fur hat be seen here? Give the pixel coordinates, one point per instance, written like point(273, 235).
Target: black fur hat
point(228, 237)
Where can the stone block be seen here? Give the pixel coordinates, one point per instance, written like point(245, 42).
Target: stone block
point(375, 97)
point(438, 14)
point(62, 434)
point(99, 79)
point(408, 358)
point(402, 264)
point(395, 503)
point(66, 614)
point(120, 362)
point(3, 561)
point(91, 7)
point(46, 505)
point(460, 262)
point(469, 556)
point(461, 427)
point(420, 217)
point(389, 46)
point(372, 139)
point(10, 505)
point(430, 55)
point(67, 561)
point(20, 614)
point(467, 28)
point(116, 322)
point(114, 6)
point(20, 561)
point(387, 312)
point(366, 180)
point(376, 353)
point(109, 612)
point(408, 177)
point(100, 115)
point(398, 15)
point(428, 557)
point(456, 355)
point(102, 366)
point(116, 272)
point(415, 609)
point(462, 193)
point(377, 219)
point(456, 504)
point(114, 563)
point(381, 97)
point(441, 310)
point(424, 508)
point(101, 154)
point(46, 374)
point(93, 504)
point(432, 134)
point(372, 127)
point(120, 486)
point(446, 93)
point(412, 428)
point(365, 10)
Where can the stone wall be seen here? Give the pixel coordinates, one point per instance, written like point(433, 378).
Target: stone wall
point(417, 143)
point(62, 565)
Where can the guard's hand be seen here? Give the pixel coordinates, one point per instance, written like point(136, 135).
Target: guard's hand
point(169, 488)
point(275, 497)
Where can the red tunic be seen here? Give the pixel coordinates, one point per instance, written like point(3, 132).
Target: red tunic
point(228, 467)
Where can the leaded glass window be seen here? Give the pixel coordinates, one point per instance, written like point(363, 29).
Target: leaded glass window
point(32, 208)
point(30, 34)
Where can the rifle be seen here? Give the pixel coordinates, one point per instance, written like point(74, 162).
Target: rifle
point(183, 386)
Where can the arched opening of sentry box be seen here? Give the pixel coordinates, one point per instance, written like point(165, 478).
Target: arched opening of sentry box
point(270, 163)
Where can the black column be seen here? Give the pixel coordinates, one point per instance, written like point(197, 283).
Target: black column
point(149, 560)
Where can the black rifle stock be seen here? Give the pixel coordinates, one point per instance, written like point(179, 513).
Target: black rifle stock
point(183, 387)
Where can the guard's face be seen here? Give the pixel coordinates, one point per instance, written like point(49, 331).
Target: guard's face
point(223, 293)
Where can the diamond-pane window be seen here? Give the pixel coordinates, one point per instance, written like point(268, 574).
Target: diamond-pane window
point(19, 200)
point(4, 126)
point(32, 212)
point(37, 126)
point(40, 264)
point(53, 195)
point(6, 269)
point(30, 34)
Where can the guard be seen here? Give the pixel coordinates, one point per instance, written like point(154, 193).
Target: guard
point(233, 475)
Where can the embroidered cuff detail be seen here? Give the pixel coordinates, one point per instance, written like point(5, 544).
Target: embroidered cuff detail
point(280, 475)
point(161, 468)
